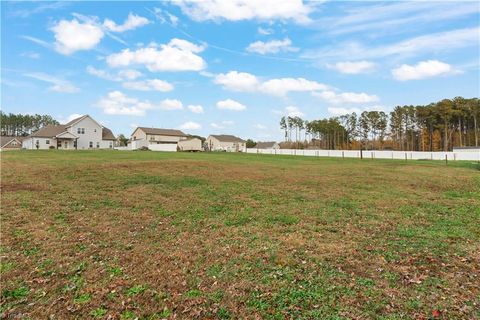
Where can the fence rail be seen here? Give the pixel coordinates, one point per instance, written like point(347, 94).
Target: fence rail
point(376, 154)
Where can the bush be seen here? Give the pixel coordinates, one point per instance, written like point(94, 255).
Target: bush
point(51, 147)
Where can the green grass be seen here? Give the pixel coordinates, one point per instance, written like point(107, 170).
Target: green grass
point(152, 235)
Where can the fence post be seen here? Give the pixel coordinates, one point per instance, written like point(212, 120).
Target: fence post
point(361, 153)
point(372, 154)
point(405, 156)
point(343, 154)
point(446, 159)
point(455, 157)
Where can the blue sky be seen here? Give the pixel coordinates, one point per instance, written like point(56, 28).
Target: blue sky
point(233, 66)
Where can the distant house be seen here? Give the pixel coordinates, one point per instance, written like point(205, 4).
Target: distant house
point(190, 144)
point(80, 133)
point(225, 142)
point(466, 149)
point(267, 145)
point(11, 142)
point(156, 138)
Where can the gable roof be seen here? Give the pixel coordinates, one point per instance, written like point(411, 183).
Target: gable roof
point(163, 132)
point(4, 140)
point(265, 145)
point(107, 134)
point(49, 131)
point(227, 138)
point(72, 122)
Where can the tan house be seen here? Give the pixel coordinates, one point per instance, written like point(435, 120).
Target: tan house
point(190, 144)
point(225, 142)
point(156, 138)
point(11, 142)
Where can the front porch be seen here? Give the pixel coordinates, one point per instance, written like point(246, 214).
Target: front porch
point(66, 140)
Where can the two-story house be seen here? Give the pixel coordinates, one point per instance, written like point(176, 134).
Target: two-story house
point(80, 133)
point(226, 142)
point(156, 138)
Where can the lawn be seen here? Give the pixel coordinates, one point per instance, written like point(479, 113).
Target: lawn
point(93, 234)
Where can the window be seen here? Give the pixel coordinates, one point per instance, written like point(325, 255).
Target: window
point(94, 130)
point(90, 144)
point(98, 144)
point(111, 145)
point(14, 143)
point(75, 143)
point(47, 141)
point(81, 130)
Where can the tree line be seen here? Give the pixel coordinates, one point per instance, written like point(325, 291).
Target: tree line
point(433, 127)
point(23, 124)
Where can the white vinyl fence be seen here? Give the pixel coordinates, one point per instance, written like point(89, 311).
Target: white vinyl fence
point(376, 154)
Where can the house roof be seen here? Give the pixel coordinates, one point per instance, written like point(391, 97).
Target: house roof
point(72, 122)
point(163, 132)
point(107, 134)
point(265, 145)
point(227, 138)
point(4, 140)
point(49, 131)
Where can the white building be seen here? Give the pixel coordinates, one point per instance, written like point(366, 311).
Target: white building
point(225, 142)
point(267, 145)
point(466, 149)
point(156, 139)
point(80, 133)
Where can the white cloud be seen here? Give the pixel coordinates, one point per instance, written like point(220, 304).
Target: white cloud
point(435, 42)
point(264, 31)
point(272, 46)
point(245, 10)
point(177, 55)
point(247, 82)
point(346, 97)
point(118, 103)
point(133, 21)
point(31, 55)
point(280, 87)
point(102, 74)
point(71, 36)
point(171, 104)
point(230, 104)
point(190, 125)
point(422, 70)
point(122, 75)
point(259, 126)
point(129, 74)
point(58, 85)
point(195, 108)
point(237, 81)
point(353, 67)
point(293, 111)
point(149, 85)
point(395, 16)
point(222, 125)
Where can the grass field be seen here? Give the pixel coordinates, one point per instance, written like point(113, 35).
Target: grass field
point(227, 236)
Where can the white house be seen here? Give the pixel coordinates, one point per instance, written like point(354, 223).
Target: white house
point(225, 142)
point(156, 139)
point(466, 149)
point(267, 145)
point(80, 133)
